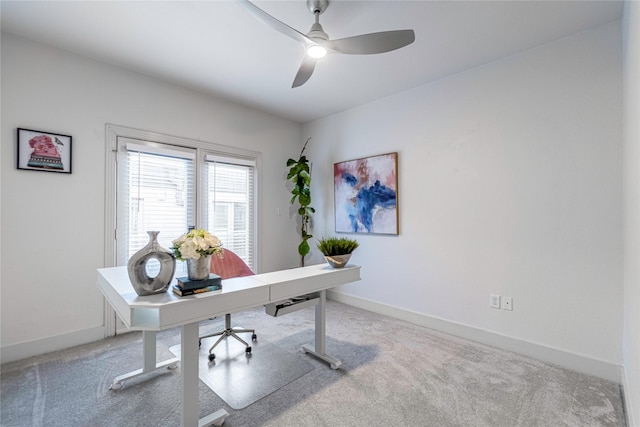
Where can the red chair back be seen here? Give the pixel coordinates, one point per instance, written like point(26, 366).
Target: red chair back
point(229, 265)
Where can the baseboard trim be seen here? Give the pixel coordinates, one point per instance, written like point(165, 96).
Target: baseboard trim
point(562, 358)
point(575, 362)
point(630, 405)
point(11, 353)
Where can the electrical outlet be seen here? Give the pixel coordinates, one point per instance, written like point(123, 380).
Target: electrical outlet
point(507, 303)
point(494, 301)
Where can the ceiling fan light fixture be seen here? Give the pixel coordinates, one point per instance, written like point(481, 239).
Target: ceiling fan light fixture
point(316, 51)
point(317, 42)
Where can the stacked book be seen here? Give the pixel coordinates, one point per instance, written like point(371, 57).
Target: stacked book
point(185, 286)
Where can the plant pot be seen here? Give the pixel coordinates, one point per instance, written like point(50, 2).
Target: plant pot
point(199, 269)
point(338, 261)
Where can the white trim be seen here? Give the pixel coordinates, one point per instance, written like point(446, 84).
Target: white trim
point(111, 154)
point(161, 151)
point(230, 160)
point(24, 350)
point(629, 403)
point(115, 131)
point(575, 362)
point(567, 360)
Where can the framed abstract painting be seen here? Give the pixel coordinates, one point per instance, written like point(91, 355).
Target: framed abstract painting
point(366, 195)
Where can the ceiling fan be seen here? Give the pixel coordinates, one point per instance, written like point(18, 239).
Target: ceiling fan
point(317, 43)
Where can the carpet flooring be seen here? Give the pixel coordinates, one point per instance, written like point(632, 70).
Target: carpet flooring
point(393, 374)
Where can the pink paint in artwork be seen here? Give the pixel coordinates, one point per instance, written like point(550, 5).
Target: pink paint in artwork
point(43, 146)
point(45, 154)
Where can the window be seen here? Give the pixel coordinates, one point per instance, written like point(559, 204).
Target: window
point(172, 184)
point(156, 191)
point(230, 192)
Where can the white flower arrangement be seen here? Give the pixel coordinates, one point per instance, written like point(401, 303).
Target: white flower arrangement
point(196, 244)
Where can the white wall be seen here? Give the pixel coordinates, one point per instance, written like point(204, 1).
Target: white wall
point(53, 224)
point(509, 183)
point(631, 185)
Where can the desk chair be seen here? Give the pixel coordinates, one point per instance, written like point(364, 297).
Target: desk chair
point(227, 266)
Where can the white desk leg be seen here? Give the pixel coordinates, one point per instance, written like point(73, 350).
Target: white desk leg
point(189, 350)
point(321, 338)
point(148, 360)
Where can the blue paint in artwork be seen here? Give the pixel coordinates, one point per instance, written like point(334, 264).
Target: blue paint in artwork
point(350, 179)
point(366, 201)
point(352, 213)
point(369, 198)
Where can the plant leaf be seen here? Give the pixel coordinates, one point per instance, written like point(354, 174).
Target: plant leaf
point(305, 199)
point(303, 248)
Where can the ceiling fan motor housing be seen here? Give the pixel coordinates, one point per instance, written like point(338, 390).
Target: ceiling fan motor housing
point(317, 33)
point(317, 6)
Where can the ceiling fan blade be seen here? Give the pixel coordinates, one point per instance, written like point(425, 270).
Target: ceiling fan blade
point(305, 71)
point(366, 44)
point(274, 23)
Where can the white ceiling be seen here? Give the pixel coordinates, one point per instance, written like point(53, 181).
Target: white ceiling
point(218, 48)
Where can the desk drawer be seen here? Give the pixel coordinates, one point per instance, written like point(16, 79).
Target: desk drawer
point(203, 306)
point(289, 306)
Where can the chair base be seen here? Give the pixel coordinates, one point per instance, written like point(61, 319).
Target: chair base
point(230, 332)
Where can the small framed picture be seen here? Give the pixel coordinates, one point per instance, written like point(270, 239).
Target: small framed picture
point(44, 151)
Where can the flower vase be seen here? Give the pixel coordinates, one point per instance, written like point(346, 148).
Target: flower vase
point(144, 283)
point(199, 269)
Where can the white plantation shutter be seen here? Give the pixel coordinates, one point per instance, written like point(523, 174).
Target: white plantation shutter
point(156, 191)
point(230, 203)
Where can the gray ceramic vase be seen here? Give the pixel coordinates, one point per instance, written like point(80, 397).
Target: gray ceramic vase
point(142, 282)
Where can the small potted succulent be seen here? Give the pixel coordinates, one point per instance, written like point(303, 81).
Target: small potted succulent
point(337, 250)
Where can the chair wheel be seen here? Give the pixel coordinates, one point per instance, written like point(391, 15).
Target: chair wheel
point(254, 337)
point(247, 350)
point(212, 357)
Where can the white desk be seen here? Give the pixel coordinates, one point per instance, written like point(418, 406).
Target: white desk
point(166, 310)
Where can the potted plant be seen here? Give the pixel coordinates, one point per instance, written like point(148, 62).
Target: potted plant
point(337, 250)
point(300, 175)
point(196, 247)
